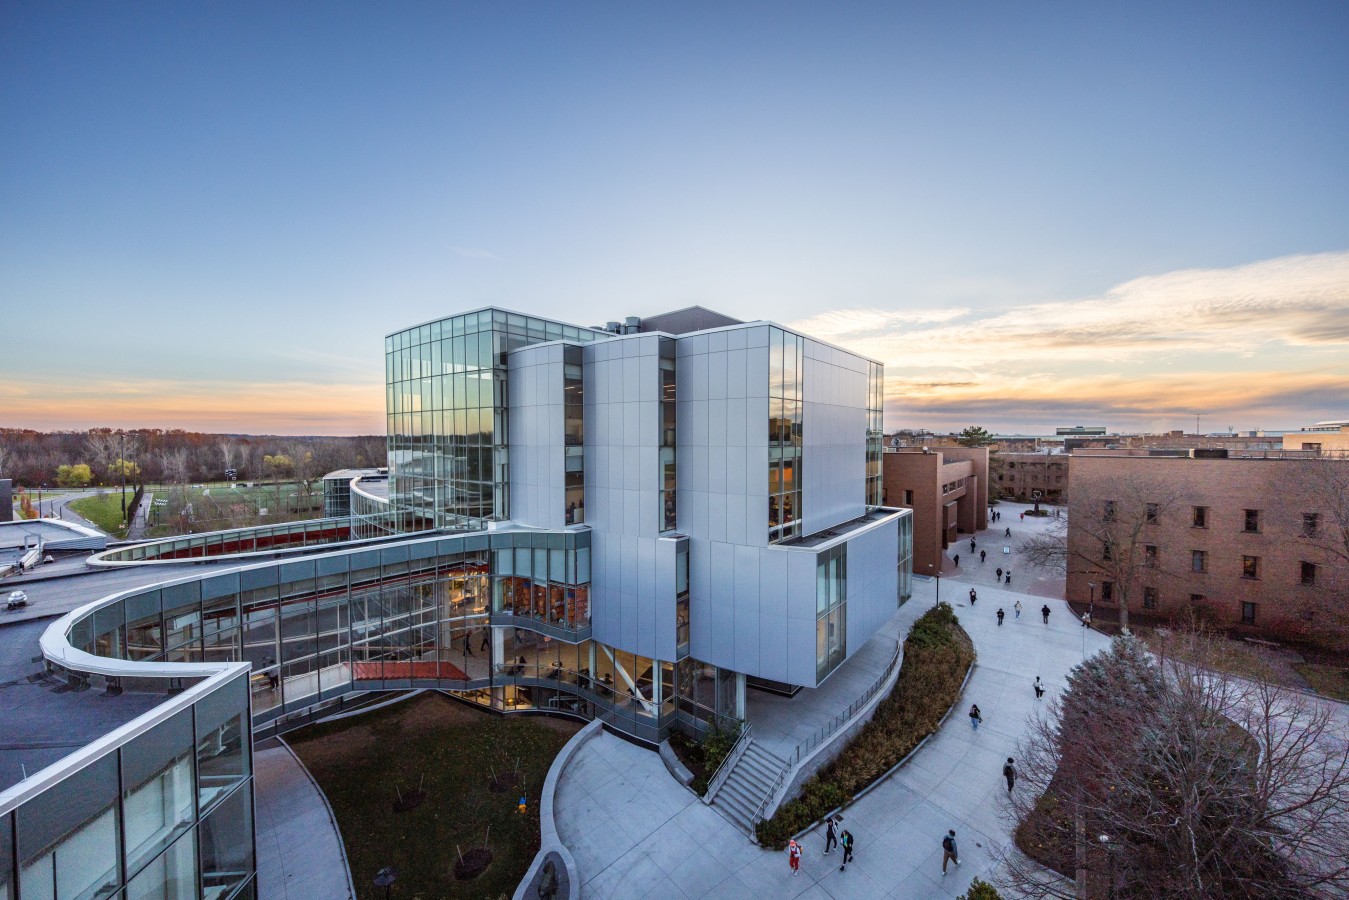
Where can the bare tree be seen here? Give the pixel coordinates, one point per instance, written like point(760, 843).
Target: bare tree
point(4, 457)
point(228, 452)
point(1163, 777)
point(1108, 534)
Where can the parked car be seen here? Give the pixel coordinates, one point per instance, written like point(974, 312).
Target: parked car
point(17, 600)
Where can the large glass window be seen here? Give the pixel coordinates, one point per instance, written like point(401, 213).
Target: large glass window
point(875, 430)
point(222, 734)
point(785, 365)
point(68, 837)
point(226, 840)
point(170, 876)
point(831, 597)
point(158, 795)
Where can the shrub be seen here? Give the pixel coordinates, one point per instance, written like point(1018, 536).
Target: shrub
point(704, 757)
point(980, 890)
point(937, 654)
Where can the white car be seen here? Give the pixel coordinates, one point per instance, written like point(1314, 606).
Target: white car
point(17, 600)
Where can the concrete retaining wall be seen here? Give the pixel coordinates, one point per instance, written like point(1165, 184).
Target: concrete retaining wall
point(551, 842)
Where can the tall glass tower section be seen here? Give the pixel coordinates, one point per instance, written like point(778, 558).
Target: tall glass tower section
point(446, 399)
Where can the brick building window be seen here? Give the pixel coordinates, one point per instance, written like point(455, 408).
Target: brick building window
point(1250, 567)
point(1107, 591)
point(1149, 598)
point(1247, 613)
point(1150, 556)
point(1200, 517)
point(1252, 520)
point(1151, 512)
point(1309, 573)
point(1198, 561)
point(1311, 524)
point(908, 498)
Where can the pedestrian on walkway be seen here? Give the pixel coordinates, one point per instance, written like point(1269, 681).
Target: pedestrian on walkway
point(486, 638)
point(794, 856)
point(1000, 615)
point(1023, 517)
point(957, 559)
point(830, 837)
point(949, 851)
point(1017, 609)
point(847, 849)
point(1009, 772)
point(1086, 619)
point(1044, 611)
point(973, 596)
point(999, 578)
point(1039, 689)
point(971, 545)
point(975, 718)
point(1008, 580)
point(983, 554)
point(1009, 531)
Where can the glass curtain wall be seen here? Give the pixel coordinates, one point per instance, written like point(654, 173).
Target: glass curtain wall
point(167, 815)
point(573, 390)
point(785, 367)
point(668, 477)
point(831, 609)
point(875, 430)
point(905, 557)
point(446, 399)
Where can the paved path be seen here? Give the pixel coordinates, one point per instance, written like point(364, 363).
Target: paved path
point(636, 833)
point(300, 852)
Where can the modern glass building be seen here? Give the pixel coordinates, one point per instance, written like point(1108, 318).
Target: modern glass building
point(628, 523)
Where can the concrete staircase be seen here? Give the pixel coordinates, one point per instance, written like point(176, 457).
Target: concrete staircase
point(748, 784)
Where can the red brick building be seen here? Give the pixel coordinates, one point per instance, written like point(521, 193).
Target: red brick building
point(947, 490)
point(1246, 540)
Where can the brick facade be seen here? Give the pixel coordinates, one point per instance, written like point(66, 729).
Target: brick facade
point(947, 490)
point(1245, 560)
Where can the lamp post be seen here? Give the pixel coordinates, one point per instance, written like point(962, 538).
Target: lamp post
point(121, 464)
point(937, 570)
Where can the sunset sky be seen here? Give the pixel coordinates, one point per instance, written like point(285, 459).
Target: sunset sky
point(1034, 214)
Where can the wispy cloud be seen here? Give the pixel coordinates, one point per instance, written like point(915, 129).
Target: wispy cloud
point(1243, 341)
point(475, 253)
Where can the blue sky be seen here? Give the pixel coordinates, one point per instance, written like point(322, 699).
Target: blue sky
point(210, 214)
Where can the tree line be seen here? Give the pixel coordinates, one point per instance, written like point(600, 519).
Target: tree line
point(100, 456)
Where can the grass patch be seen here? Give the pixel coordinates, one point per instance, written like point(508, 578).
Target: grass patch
point(104, 510)
point(449, 751)
point(184, 509)
point(937, 654)
point(1329, 681)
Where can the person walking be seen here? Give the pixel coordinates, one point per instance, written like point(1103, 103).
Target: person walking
point(1017, 609)
point(971, 545)
point(1009, 772)
point(847, 849)
point(468, 640)
point(1008, 579)
point(830, 837)
point(983, 554)
point(975, 717)
point(1023, 517)
point(486, 639)
point(999, 578)
point(1009, 531)
point(949, 851)
point(1000, 615)
point(1086, 619)
point(957, 559)
point(794, 856)
point(973, 596)
point(1039, 689)
point(1044, 611)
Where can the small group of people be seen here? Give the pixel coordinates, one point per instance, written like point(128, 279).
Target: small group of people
point(832, 839)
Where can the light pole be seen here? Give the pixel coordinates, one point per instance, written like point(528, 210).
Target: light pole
point(121, 464)
point(937, 570)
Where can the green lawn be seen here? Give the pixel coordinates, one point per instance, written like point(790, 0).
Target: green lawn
point(104, 510)
point(180, 509)
point(362, 764)
point(1330, 681)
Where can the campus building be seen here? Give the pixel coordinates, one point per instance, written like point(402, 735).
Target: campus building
point(1249, 542)
point(627, 523)
point(1324, 438)
point(946, 489)
point(1027, 477)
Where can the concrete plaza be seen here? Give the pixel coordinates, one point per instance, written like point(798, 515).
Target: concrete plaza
point(635, 832)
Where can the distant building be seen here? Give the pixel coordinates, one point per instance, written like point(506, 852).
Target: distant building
point(947, 490)
point(1081, 431)
point(1020, 475)
point(1323, 437)
point(1243, 540)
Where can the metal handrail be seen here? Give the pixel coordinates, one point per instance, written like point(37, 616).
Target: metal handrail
point(724, 770)
point(817, 738)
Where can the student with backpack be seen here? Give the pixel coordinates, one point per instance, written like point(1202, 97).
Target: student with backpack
point(973, 596)
point(1000, 615)
point(794, 856)
point(1009, 772)
point(949, 851)
point(830, 836)
point(1044, 611)
point(975, 717)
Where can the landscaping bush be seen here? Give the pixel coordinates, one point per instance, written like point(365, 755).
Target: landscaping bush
point(980, 890)
point(704, 757)
point(937, 654)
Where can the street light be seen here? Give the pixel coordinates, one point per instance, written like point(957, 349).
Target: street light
point(937, 569)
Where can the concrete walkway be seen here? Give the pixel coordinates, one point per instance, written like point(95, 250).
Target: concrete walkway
point(300, 854)
point(636, 833)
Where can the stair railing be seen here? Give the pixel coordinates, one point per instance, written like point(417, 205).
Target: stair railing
point(724, 770)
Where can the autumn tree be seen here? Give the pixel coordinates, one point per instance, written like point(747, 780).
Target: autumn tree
point(77, 475)
point(1158, 776)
